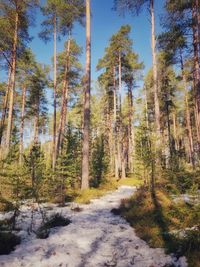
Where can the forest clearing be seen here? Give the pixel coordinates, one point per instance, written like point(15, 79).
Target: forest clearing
point(100, 133)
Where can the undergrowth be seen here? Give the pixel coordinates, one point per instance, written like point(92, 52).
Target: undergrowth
point(85, 196)
point(55, 220)
point(160, 221)
point(8, 241)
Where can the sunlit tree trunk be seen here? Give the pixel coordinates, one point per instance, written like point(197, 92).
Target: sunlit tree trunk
point(55, 95)
point(130, 130)
point(124, 153)
point(155, 72)
point(198, 22)
point(12, 84)
point(119, 110)
point(21, 142)
point(86, 111)
point(64, 114)
point(189, 129)
point(188, 120)
point(175, 131)
point(36, 123)
point(116, 163)
point(196, 62)
point(5, 107)
point(64, 101)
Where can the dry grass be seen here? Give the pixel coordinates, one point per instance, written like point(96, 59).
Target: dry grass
point(154, 217)
point(111, 184)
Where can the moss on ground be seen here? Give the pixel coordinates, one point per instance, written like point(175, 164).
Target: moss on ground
point(111, 184)
point(156, 219)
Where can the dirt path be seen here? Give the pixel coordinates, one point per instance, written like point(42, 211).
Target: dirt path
point(95, 238)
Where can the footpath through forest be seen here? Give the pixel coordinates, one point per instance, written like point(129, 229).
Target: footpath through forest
point(96, 237)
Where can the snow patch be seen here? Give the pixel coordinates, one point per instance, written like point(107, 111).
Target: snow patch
point(95, 238)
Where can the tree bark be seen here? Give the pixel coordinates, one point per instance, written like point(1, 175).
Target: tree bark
point(115, 126)
point(119, 126)
point(12, 84)
point(64, 100)
point(130, 130)
point(124, 153)
point(86, 112)
point(188, 120)
point(64, 117)
point(155, 72)
point(21, 143)
point(175, 131)
point(196, 61)
point(55, 96)
point(198, 22)
point(36, 124)
point(5, 107)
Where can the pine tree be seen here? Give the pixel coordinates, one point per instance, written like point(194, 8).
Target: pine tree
point(86, 110)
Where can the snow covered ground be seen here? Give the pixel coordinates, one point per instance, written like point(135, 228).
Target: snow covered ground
point(95, 238)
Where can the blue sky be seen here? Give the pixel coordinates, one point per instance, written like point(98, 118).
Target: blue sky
point(105, 22)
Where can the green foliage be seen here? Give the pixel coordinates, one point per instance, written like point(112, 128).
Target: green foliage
point(144, 150)
point(66, 14)
point(35, 167)
point(181, 181)
point(132, 6)
point(67, 172)
point(100, 161)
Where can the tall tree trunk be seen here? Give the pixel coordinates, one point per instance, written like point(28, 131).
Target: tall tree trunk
point(197, 123)
point(189, 129)
point(188, 120)
point(5, 107)
point(21, 142)
point(196, 114)
point(64, 117)
point(36, 123)
point(198, 22)
point(36, 129)
point(170, 145)
point(119, 123)
point(124, 153)
point(55, 95)
point(156, 99)
point(86, 122)
point(115, 126)
point(130, 130)
point(175, 131)
point(155, 72)
point(64, 100)
point(196, 61)
point(12, 84)
point(120, 83)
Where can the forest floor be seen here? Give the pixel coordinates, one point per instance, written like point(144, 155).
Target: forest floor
point(95, 237)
